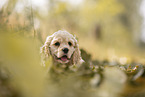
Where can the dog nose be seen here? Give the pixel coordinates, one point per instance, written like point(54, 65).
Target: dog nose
point(65, 50)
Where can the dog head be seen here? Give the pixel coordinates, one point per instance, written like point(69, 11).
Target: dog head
point(63, 48)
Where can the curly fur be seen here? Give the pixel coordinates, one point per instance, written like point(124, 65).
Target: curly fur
point(48, 49)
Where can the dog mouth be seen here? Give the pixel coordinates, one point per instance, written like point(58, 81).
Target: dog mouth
point(64, 58)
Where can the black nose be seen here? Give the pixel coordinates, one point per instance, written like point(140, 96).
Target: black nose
point(65, 50)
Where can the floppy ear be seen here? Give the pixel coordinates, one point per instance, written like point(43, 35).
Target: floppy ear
point(44, 50)
point(76, 58)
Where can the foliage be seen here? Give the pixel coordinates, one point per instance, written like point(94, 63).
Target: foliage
point(106, 30)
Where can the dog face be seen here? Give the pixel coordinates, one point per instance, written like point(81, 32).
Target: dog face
point(63, 48)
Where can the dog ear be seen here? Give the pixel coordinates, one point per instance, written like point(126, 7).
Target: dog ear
point(76, 58)
point(45, 50)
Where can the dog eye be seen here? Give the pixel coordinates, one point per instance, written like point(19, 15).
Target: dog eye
point(70, 44)
point(57, 44)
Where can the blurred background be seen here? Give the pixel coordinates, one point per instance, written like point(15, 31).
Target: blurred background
point(112, 30)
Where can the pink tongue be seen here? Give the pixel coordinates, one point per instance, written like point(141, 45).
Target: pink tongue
point(64, 58)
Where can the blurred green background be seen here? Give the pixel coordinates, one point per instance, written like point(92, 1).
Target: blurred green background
point(110, 30)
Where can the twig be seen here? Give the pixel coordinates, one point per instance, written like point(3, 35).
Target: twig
point(32, 19)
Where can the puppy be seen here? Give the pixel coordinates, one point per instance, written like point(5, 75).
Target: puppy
point(63, 48)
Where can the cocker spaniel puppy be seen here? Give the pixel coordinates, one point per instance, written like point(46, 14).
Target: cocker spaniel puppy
point(63, 48)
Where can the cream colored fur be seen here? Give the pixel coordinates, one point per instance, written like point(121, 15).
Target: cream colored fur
point(50, 49)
